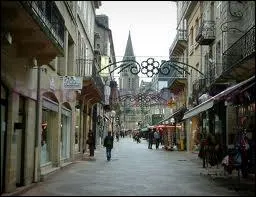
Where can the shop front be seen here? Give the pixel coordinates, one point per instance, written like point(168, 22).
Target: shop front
point(65, 137)
point(194, 133)
point(167, 131)
point(214, 113)
point(180, 133)
point(77, 131)
point(49, 132)
point(242, 106)
point(174, 133)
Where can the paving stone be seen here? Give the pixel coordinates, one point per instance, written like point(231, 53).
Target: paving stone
point(134, 170)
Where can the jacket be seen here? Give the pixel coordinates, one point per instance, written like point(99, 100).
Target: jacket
point(111, 139)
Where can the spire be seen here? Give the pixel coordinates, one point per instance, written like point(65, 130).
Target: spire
point(129, 54)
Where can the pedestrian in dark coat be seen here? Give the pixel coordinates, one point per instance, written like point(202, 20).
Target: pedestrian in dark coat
point(150, 138)
point(90, 142)
point(108, 143)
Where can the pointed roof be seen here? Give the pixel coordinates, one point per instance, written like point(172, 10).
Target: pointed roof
point(129, 54)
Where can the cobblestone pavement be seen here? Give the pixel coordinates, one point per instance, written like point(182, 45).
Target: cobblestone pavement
point(133, 170)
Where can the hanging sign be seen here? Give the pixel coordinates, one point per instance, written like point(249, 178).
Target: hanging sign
point(72, 82)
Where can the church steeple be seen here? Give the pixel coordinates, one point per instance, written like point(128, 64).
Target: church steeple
point(129, 54)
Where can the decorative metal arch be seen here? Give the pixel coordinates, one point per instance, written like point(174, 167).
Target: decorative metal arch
point(150, 67)
point(144, 99)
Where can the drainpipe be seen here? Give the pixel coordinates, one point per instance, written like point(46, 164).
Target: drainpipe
point(37, 130)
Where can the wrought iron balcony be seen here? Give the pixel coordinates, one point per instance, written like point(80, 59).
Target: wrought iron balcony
point(186, 9)
point(206, 33)
point(177, 81)
point(180, 42)
point(175, 75)
point(48, 16)
point(93, 82)
point(98, 80)
point(241, 50)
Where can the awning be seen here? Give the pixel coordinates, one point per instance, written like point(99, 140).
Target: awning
point(210, 102)
point(199, 108)
point(233, 88)
point(176, 113)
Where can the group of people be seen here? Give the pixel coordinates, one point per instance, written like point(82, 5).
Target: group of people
point(154, 137)
point(108, 144)
point(119, 134)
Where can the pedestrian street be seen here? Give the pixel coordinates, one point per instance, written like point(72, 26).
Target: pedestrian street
point(133, 170)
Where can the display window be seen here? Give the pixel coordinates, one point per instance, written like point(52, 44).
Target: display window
point(45, 138)
point(65, 133)
point(77, 131)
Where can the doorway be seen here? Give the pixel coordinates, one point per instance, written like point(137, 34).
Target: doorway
point(19, 131)
point(3, 135)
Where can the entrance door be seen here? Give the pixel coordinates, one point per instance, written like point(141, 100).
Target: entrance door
point(3, 134)
point(65, 137)
point(20, 136)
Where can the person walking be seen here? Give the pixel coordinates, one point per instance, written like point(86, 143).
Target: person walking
point(90, 142)
point(150, 139)
point(108, 143)
point(117, 136)
point(157, 138)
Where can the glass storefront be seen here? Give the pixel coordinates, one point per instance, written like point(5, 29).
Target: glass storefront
point(45, 137)
point(50, 110)
point(65, 133)
point(77, 131)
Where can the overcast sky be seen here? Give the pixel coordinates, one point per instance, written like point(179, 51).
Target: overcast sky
point(152, 25)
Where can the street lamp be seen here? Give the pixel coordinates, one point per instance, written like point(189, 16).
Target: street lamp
point(112, 115)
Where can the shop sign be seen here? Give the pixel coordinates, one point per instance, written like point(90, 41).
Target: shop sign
point(72, 82)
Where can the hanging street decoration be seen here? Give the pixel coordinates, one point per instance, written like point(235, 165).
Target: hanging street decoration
point(150, 67)
point(144, 99)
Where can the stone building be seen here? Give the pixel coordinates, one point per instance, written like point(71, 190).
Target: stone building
point(215, 31)
point(42, 43)
point(106, 56)
point(208, 39)
point(128, 84)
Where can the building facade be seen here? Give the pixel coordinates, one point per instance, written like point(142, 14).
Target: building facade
point(42, 43)
point(106, 57)
point(215, 29)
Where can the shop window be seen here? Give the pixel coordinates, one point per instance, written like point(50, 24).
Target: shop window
point(64, 136)
point(77, 133)
point(45, 138)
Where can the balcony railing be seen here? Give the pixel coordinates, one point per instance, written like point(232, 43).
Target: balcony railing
point(98, 80)
point(206, 33)
point(176, 75)
point(180, 36)
point(49, 17)
point(240, 50)
point(84, 67)
point(185, 9)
